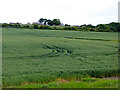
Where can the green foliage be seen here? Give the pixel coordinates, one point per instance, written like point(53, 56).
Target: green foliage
point(67, 25)
point(42, 21)
point(35, 26)
point(38, 56)
point(43, 27)
point(112, 27)
point(49, 22)
point(96, 83)
point(54, 25)
point(88, 79)
point(90, 26)
point(4, 25)
point(56, 22)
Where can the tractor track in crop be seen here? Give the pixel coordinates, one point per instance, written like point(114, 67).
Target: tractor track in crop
point(55, 51)
point(91, 39)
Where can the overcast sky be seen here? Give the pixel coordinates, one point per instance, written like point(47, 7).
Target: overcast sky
point(73, 12)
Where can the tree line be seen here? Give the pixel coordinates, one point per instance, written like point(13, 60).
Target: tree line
point(56, 24)
point(49, 22)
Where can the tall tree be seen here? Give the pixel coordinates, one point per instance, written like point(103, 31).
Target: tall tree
point(56, 22)
point(49, 22)
point(42, 21)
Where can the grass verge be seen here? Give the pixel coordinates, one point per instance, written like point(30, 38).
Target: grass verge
point(83, 83)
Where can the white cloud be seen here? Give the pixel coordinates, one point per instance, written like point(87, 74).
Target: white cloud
point(74, 12)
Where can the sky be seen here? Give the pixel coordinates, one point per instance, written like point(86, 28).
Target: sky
point(72, 12)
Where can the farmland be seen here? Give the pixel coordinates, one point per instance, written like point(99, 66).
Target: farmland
point(38, 56)
point(84, 83)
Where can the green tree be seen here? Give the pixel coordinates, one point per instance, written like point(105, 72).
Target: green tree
point(56, 22)
point(49, 22)
point(5, 25)
point(42, 21)
point(90, 26)
point(67, 25)
point(101, 27)
point(35, 26)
